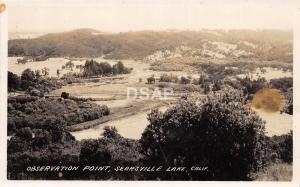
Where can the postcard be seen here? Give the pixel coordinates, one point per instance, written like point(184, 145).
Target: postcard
point(128, 90)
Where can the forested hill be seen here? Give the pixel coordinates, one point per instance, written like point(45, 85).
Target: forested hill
point(263, 44)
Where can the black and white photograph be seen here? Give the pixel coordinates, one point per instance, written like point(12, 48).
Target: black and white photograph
point(129, 90)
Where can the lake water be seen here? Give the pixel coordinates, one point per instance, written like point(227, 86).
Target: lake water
point(134, 126)
point(276, 123)
point(130, 127)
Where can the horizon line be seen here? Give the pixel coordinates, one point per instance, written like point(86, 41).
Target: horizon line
point(153, 30)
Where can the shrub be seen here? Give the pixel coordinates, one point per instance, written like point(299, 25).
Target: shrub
point(206, 88)
point(110, 132)
point(282, 147)
point(217, 86)
point(111, 151)
point(168, 78)
point(219, 132)
point(282, 83)
point(184, 80)
point(252, 86)
point(151, 80)
point(65, 95)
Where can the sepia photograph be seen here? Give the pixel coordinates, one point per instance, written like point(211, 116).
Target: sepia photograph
point(136, 90)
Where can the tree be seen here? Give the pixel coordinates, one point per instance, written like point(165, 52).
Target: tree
point(70, 65)
point(206, 88)
point(45, 71)
point(110, 132)
point(65, 95)
point(28, 75)
point(217, 86)
point(57, 72)
point(14, 81)
point(218, 132)
point(151, 79)
point(27, 79)
point(37, 73)
point(184, 80)
point(106, 67)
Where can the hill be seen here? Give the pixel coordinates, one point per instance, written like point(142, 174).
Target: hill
point(262, 44)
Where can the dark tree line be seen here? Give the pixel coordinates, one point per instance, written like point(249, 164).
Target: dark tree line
point(93, 68)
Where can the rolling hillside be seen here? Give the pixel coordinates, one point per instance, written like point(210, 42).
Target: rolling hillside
point(154, 45)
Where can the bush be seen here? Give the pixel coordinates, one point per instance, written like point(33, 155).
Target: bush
point(219, 132)
point(217, 86)
point(282, 83)
point(282, 147)
point(110, 132)
point(168, 78)
point(252, 86)
point(65, 95)
point(151, 80)
point(111, 151)
point(184, 80)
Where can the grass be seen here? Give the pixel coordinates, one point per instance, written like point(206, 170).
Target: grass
point(275, 172)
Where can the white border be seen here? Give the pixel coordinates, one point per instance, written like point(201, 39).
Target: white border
point(3, 130)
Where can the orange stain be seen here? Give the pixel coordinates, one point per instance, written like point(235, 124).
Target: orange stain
point(2, 7)
point(268, 99)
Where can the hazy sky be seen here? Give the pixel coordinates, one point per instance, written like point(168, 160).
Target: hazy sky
point(129, 15)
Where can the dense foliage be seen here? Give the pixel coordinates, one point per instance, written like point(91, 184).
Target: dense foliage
point(112, 150)
point(54, 147)
point(285, 84)
point(43, 113)
point(220, 133)
point(32, 82)
point(39, 147)
point(282, 83)
point(282, 148)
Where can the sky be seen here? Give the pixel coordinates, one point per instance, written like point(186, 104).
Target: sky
point(132, 15)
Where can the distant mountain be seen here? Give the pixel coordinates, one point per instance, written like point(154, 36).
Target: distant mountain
point(263, 44)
